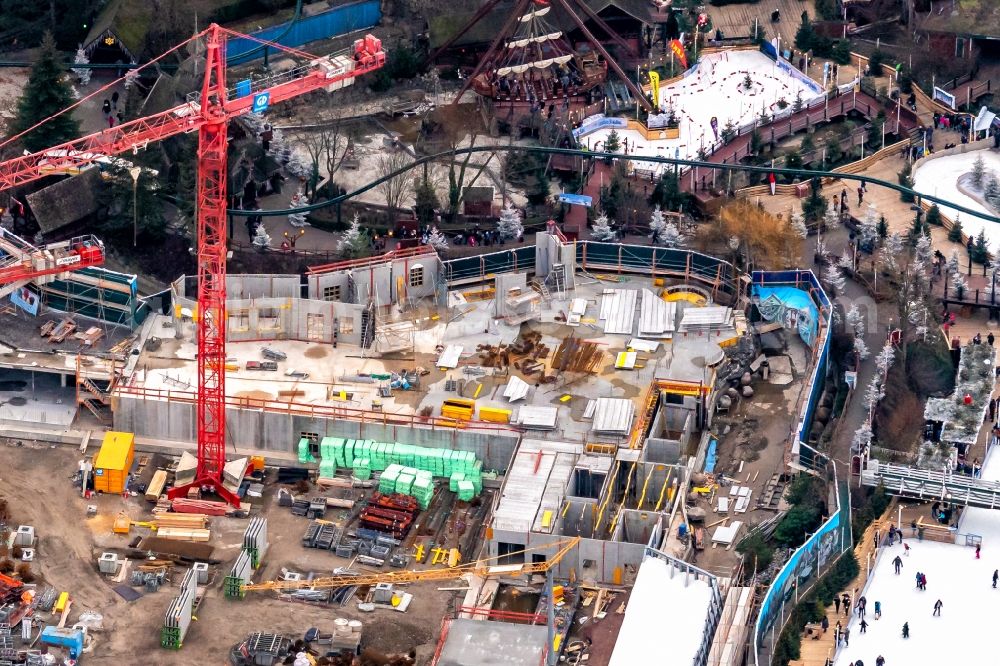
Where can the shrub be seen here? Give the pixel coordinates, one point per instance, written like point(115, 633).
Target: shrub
point(6, 565)
point(934, 216)
point(955, 233)
point(25, 573)
point(906, 180)
point(876, 61)
point(756, 548)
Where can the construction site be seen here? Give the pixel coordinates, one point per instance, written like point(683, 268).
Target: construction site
point(532, 438)
point(544, 454)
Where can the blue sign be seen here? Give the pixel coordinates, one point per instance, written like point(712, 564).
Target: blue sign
point(243, 88)
point(25, 298)
point(261, 102)
point(577, 199)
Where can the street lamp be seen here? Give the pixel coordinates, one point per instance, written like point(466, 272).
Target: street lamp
point(134, 172)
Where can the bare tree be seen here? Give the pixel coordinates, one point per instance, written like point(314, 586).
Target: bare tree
point(393, 189)
point(327, 147)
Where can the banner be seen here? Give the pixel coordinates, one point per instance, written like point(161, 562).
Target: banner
point(654, 84)
point(678, 50)
point(25, 298)
point(576, 199)
point(596, 122)
point(945, 98)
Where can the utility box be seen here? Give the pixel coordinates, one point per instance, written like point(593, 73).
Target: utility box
point(108, 563)
point(113, 462)
point(25, 536)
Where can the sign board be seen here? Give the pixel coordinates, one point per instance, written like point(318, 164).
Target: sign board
point(596, 122)
point(260, 102)
point(243, 88)
point(26, 298)
point(67, 260)
point(984, 120)
point(576, 199)
point(945, 98)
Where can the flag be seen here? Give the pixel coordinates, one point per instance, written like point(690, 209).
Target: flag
point(678, 49)
point(654, 84)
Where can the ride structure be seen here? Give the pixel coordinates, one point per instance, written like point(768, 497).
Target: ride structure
point(207, 112)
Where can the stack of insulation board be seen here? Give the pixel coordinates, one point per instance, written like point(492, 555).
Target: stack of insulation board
point(387, 482)
point(362, 468)
point(305, 456)
point(423, 488)
point(417, 483)
point(466, 491)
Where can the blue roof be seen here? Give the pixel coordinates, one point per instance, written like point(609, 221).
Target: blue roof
point(790, 296)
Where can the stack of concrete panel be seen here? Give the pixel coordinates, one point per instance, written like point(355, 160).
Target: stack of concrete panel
point(255, 540)
point(238, 576)
point(179, 611)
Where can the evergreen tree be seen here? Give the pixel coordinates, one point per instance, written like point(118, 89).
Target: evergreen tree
point(958, 284)
point(892, 253)
point(954, 266)
point(906, 180)
point(612, 144)
point(805, 35)
point(883, 227)
point(933, 216)
point(261, 240)
point(46, 94)
point(834, 279)
point(992, 190)
point(955, 233)
point(980, 248)
point(861, 348)
point(868, 231)
point(815, 205)
point(602, 230)
point(917, 230)
point(425, 201)
point(978, 172)
point(854, 321)
point(354, 242)
point(82, 73)
point(299, 200)
point(509, 225)
point(797, 104)
point(667, 194)
point(437, 240)
point(831, 218)
point(728, 131)
point(798, 225)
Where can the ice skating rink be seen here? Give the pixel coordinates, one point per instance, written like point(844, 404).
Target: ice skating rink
point(966, 632)
point(716, 89)
point(939, 177)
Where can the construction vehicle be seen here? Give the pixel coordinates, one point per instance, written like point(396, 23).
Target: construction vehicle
point(208, 113)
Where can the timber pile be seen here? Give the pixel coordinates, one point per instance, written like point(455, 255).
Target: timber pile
point(574, 355)
point(528, 347)
point(190, 521)
point(207, 507)
point(58, 332)
point(181, 534)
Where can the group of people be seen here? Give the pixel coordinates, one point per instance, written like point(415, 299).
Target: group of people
point(111, 111)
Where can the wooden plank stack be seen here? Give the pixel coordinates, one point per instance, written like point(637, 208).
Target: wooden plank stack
point(189, 521)
point(182, 534)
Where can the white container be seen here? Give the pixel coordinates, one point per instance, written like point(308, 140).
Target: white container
point(355, 626)
point(341, 627)
point(108, 563)
point(25, 536)
point(201, 571)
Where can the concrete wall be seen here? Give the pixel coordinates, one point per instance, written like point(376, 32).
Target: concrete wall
point(605, 556)
point(263, 286)
point(275, 431)
point(293, 319)
point(381, 282)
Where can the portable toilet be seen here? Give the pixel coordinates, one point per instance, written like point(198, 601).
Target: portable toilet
point(113, 462)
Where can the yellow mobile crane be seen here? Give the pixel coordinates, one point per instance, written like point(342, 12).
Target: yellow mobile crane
point(485, 568)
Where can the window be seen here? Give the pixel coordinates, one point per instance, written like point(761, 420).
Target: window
point(239, 320)
point(331, 293)
point(959, 47)
point(314, 327)
point(346, 326)
point(416, 275)
point(268, 319)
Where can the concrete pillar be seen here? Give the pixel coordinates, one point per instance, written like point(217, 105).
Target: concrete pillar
point(63, 380)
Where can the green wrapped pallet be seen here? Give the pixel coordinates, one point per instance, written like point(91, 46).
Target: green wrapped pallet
point(404, 483)
point(349, 453)
point(305, 456)
point(454, 479)
point(362, 468)
point(466, 491)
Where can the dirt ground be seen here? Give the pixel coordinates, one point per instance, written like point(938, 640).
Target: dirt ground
point(36, 482)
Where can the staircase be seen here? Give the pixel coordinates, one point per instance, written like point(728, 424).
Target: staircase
point(98, 409)
point(541, 289)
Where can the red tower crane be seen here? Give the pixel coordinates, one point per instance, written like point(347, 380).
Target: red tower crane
point(208, 113)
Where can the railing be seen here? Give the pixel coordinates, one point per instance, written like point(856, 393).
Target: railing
point(929, 484)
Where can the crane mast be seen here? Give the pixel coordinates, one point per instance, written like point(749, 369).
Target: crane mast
point(209, 114)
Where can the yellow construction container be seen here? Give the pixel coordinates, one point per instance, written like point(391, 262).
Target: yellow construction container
point(113, 462)
point(494, 414)
point(61, 603)
point(458, 408)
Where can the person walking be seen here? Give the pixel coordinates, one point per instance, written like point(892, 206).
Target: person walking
point(996, 574)
point(878, 609)
point(877, 539)
point(847, 605)
point(906, 630)
point(771, 182)
point(979, 547)
point(836, 600)
point(114, 100)
point(937, 608)
point(861, 195)
point(897, 564)
point(906, 549)
point(918, 580)
point(864, 626)
point(847, 637)
point(106, 107)
point(862, 603)
point(825, 623)
point(923, 582)
point(880, 661)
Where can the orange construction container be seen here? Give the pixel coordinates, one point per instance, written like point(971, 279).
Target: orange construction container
point(113, 462)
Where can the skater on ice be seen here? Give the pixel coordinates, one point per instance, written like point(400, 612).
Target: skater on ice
point(937, 607)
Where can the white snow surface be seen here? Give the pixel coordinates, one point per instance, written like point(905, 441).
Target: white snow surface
point(966, 630)
point(665, 616)
point(716, 89)
point(939, 177)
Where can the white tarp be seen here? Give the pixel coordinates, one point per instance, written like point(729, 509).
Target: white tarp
point(984, 120)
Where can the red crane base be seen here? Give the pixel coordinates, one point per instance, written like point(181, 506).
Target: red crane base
point(214, 486)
